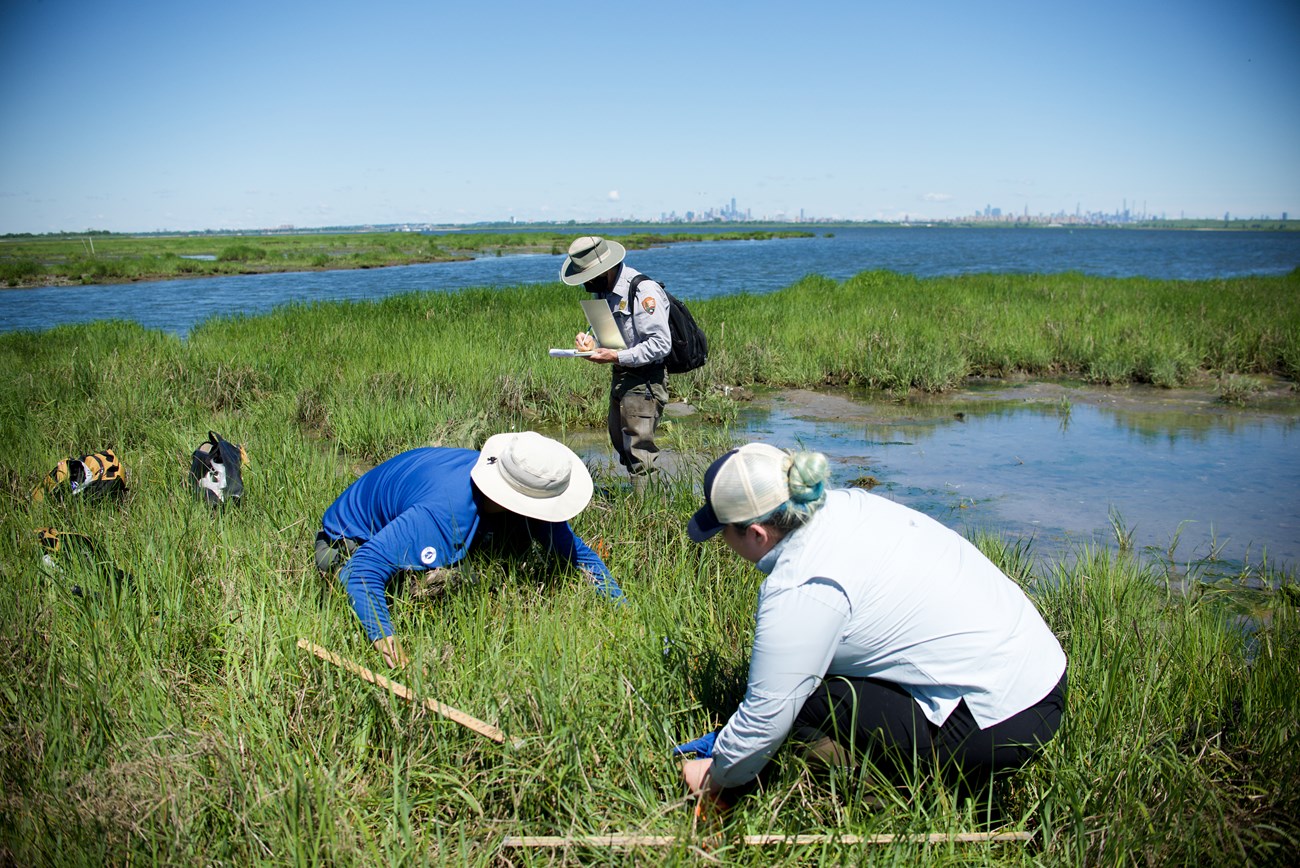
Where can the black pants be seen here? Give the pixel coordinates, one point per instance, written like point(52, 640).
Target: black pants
point(880, 721)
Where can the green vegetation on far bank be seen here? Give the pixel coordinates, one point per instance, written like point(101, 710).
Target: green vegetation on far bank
point(898, 333)
point(178, 723)
point(106, 258)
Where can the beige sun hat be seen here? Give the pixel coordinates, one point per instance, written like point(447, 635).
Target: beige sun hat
point(532, 475)
point(589, 256)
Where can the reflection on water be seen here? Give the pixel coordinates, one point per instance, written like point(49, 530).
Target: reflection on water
point(1057, 465)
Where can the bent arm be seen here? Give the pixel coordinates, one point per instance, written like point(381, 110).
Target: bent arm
point(795, 637)
point(412, 541)
point(653, 336)
point(364, 577)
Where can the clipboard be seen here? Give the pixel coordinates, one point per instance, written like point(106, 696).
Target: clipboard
point(602, 324)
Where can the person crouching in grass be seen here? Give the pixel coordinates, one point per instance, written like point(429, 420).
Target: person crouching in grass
point(428, 508)
point(879, 634)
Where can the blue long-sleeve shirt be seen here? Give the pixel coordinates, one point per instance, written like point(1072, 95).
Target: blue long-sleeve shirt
point(416, 511)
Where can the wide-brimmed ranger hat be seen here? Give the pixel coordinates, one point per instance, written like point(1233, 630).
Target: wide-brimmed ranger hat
point(742, 486)
point(589, 256)
point(533, 476)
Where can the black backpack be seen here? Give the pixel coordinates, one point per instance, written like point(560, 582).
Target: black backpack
point(690, 347)
point(216, 470)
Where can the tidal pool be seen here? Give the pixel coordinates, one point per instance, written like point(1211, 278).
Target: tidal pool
point(1064, 466)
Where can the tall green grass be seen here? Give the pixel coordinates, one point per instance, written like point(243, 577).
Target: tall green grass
point(179, 723)
point(899, 333)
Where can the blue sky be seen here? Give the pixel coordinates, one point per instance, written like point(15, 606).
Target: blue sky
point(141, 115)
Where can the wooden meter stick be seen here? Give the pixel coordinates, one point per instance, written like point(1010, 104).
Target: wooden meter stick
point(486, 730)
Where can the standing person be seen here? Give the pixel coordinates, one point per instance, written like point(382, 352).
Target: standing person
point(430, 507)
point(639, 383)
point(879, 633)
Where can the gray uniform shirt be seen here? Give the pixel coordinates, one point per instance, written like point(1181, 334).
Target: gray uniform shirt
point(643, 323)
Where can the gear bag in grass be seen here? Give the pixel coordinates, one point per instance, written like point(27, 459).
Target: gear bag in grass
point(74, 558)
point(90, 477)
point(690, 346)
point(216, 470)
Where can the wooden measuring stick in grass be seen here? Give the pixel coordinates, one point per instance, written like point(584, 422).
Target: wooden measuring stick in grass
point(631, 841)
point(486, 730)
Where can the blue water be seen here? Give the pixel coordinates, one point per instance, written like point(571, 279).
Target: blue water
point(693, 270)
point(1059, 465)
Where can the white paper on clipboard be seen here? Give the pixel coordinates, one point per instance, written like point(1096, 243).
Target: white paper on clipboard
point(602, 324)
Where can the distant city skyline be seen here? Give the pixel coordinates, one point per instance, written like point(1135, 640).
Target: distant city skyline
point(1126, 212)
point(732, 213)
point(149, 116)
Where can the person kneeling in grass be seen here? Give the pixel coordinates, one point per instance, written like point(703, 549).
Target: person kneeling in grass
point(429, 507)
point(880, 634)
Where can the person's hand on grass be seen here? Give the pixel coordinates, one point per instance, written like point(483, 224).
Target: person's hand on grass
point(392, 651)
point(696, 773)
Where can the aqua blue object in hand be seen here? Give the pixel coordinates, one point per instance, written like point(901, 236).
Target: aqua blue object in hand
point(701, 747)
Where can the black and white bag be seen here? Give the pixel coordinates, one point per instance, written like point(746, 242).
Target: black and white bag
point(216, 470)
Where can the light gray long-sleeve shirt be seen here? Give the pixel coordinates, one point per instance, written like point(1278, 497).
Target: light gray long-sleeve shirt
point(643, 322)
point(871, 588)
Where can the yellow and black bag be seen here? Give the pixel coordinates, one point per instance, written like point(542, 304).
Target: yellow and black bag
point(74, 557)
point(91, 477)
point(216, 470)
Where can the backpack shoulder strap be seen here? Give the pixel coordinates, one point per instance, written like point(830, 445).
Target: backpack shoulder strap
point(636, 282)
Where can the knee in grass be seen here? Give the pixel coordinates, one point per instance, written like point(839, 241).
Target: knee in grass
point(828, 752)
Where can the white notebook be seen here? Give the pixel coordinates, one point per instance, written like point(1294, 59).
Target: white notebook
point(602, 324)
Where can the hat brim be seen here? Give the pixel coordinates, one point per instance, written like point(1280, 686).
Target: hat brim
point(573, 276)
point(703, 525)
point(562, 507)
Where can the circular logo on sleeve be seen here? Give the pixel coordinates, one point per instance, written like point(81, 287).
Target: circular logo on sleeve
point(428, 555)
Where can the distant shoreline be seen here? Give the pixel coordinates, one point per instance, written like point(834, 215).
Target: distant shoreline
point(107, 259)
point(684, 228)
point(154, 278)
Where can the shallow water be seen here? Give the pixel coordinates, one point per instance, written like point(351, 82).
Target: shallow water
point(1054, 464)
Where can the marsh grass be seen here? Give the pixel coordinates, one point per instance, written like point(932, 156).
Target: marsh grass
point(106, 258)
point(897, 333)
point(178, 723)
point(1236, 389)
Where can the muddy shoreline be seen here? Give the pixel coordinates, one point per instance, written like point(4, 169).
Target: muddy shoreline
point(1277, 397)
